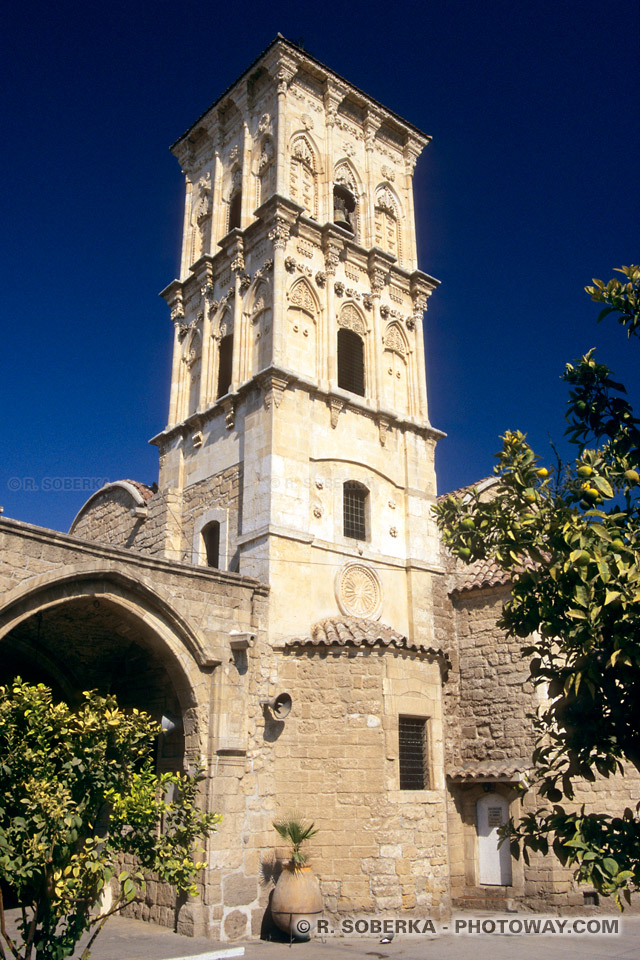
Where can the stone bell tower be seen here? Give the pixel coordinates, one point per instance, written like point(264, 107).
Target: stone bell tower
point(298, 448)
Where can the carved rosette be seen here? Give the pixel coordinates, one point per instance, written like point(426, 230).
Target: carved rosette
point(359, 591)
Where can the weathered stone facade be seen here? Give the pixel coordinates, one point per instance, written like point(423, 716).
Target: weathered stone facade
point(289, 544)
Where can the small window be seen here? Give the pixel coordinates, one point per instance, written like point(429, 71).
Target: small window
point(350, 361)
point(412, 752)
point(225, 365)
point(354, 503)
point(211, 540)
point(235, 210)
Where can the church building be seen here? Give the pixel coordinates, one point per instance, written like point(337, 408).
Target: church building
point(281, 596)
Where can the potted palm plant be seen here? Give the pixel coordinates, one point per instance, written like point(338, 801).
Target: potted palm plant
point(297, 902)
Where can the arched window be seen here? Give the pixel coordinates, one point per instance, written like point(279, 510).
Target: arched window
point(302, 177)
point(350, 361)
point(344, 207)
point(355, 499)
point(387, 235)
point(211, 542)
point(225, 365)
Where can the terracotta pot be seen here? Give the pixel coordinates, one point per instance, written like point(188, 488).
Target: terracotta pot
point(296, 903)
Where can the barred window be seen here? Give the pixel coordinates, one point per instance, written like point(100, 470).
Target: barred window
point(350, 361)
point(354, 502)
point(211, 539)
point(225, 364)
point(413, 753)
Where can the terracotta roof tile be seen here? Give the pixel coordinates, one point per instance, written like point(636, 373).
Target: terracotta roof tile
point(144, 491)
point(509, 769)
point(353, 631)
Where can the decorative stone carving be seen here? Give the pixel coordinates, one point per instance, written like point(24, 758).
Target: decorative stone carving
point(332, 250)
point(388, 172)
point(279, 234)
point(307, 121)
point(203, 206)
point(317, 512)
point(336, 408)
point(301, 296)
point(393, 340)
point(350, 318)
point(290, 264)
point(264, 123)
point(383, 429)
point(229, 407)
point(384, 311)
point(320, 484)
point(339, 288)
point(245, 281)
point(367, 300)
point(358, 591)
point(273, 387)
point(321, 278)
point(392, 504)
point(393, 531)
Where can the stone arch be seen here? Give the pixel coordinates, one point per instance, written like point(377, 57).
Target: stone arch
point(353, 349)
point(95, 626)
point(258, 323)
point(396, 385)
point(303, 173)
point(303, 310)
point(192, 358)
point(388, 221)
point(131, 490)
point(346, 177)
point(264, 169)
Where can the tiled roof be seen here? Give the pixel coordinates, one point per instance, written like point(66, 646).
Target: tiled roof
point(142, 488)
point(482, 573)
point(352, 631)
point(462, 491)
point(511, 769)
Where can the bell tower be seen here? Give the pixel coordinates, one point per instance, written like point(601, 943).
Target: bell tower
point(298, 447)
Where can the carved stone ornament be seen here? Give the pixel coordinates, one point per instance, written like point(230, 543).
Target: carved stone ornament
point(307, 121)
point(320, 484)
point(279, 234)
point(393, 531)
point(301, 296)
point(336, 408)
point(377, 277)
point(245, 281)
point(203, 206)
point(264, 122)
point(384, 311)
point(274, 388)
point(392, 504)
point(177, 312)
point(234, 153)
point(367, 300)
point(393, 340)
point(229, 407)
point(339, 288)
point(321, 278)
point(383, 429)
point(290, 264)
point(317, 512)
point(349, 149)
point(388, 173)
point(332, 250)
point(411, 323)
point(350, 318)
point(358, 591)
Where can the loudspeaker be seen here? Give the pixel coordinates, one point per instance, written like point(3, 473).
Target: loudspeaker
point(280, 706)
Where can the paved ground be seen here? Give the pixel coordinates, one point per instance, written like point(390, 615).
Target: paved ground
point(124, 939)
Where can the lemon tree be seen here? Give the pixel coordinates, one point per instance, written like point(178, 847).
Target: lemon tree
point(78, 791)
point(569, 537)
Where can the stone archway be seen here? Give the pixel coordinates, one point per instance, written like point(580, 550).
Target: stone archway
point(107, 632)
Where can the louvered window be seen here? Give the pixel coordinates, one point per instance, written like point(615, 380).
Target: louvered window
point(412, 752)
point(354, 503)
point(350, 361)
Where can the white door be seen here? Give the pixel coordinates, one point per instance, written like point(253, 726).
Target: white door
point(494, 863)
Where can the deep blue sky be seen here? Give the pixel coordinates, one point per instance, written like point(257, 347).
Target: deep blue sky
point(529, 189)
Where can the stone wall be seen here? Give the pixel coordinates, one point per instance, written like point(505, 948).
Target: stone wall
point(379, 849)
